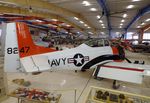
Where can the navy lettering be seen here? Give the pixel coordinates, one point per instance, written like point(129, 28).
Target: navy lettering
point(56, 62)
point(64, 60)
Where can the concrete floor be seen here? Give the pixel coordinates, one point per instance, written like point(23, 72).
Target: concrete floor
point(69, 80)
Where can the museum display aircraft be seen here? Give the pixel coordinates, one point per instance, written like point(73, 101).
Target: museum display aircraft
point(22, 55)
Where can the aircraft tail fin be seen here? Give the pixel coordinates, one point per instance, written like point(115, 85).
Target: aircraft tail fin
point(25, 43)
point(19, 47)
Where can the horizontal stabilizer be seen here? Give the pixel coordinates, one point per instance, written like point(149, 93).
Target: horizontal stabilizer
point(36, 63)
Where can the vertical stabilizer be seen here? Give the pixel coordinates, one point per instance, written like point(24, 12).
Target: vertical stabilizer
point(20, 49)
point(25, 43)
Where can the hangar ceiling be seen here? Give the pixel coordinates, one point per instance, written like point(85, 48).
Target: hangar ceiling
point(87, 16)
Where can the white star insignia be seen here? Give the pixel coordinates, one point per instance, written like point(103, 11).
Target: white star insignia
point(79, 60)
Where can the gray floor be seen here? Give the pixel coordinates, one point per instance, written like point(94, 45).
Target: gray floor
point(67, 81)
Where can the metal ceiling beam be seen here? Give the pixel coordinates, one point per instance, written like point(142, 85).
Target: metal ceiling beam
point(145, 28)
point(40, 4)
point(138, 15)
point(102, 3)
point(4, 9)
point(141, 32)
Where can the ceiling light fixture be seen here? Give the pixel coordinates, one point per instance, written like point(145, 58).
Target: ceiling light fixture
point(38, 20)
point(130, 6)
point(90, 32)
point(76, 18)
point(121, 24)
point(138, 26)
point(85, 25)
point(147, 20)
point(81, 22)
point(125, 15)
point(142, 23)
point(88, 27)
point(100, 21)
point(54, 20)
point(68, 25)
point(98, 16)
point(104, 27)
point(102, 33)
point(93, 9)
point(122, 20)
point(117, 33)
point(135, 0)
point(102, 24)
point(86, 3)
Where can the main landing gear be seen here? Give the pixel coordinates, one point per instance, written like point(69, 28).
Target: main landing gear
point(115, 85)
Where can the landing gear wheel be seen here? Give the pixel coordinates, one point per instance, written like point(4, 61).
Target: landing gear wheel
point(115, 85)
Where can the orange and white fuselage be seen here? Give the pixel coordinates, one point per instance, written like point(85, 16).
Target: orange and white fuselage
point(20, 47)
point(21, 54)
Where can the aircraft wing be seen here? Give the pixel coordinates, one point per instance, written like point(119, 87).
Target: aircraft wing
point(122, 71)
point(35, 63)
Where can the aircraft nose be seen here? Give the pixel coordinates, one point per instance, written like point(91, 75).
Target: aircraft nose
point(115, 50)
point(118, 51)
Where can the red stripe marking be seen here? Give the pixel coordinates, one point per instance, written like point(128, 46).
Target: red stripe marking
point(123, 68)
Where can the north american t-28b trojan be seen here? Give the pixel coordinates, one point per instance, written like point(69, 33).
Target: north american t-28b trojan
point(22, 55)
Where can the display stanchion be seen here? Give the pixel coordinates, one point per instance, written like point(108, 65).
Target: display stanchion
point(75, 95)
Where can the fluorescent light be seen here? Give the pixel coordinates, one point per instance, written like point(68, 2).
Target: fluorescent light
point(38, 20)
point(54, 20)
point(68, 25)
point(90, 32)
point(121, 24)
point(85, 25)
point(98, 16)
point(104, 27)
point(130, 6)
point(102, 24)
point(86, 3)
point(143, 24)
point(117, 33)
point(76, 18)
point(125, 15)
point(122, 20)
point(138, 26)
point(81, 22)
point(135, 0)
point(100, 21)
point(88, 27)
point(147, 20)
point(93, 9)
point(102, 33)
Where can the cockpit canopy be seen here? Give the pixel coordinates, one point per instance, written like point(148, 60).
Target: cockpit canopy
point(97, 42)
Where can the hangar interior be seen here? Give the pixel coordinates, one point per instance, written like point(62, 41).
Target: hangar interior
point(67, 24)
